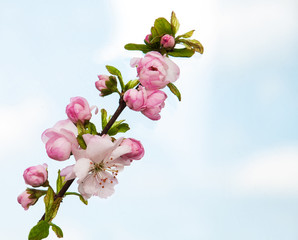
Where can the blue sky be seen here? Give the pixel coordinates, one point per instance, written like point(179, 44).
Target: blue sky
point(220, 165)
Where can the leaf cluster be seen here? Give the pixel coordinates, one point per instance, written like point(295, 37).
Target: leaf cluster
point(161, 27)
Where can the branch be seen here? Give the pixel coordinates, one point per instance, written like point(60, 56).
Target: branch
point(118, 111)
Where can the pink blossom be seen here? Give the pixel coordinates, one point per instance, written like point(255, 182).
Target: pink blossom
point(167, 41)
point(60, 139)
point(68, 173)
point(98, 165)
point(155, 71)
point(147, 38)
point(78, 110)
point(25, 201)
point(136, 99)
point(155, 102)
point(101, 83)
point(36, 176)
point(137, 149)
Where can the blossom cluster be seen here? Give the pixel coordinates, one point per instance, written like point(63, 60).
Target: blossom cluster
point(99, 156)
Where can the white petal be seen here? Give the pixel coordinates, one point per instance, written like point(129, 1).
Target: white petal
point(68, 172)
point(82, 167)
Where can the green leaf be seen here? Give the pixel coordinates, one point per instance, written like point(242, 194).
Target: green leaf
point(39, 231)
point(194, 44)
point(186, 35)
point(57, 230)
point(81, 142)
point(59, 182)
point(114, 71)
point(91, 128)
point(181, 52)
point(174, 90)
point(154, 33)
point(103, 118)
point(48, 200)
point(112, 84)
point(80, 127)
point(105, 92)
point(162, 26)
point(123, 127)
point(141, 47)
point(79, 195)
point(114, 129)
point(131, 84)
point(174, 23)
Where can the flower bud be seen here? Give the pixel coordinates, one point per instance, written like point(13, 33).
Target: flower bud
point(147, 38)
point(167, 41)
point(101, 83)
point(36, 176)
point(78, 110)
point(155, 102)
point(137, 149)
point(155, 71)
point(25, 201)
point(136, 98)
point(60, 139)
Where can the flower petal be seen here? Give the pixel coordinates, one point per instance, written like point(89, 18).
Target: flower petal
point(82, 167)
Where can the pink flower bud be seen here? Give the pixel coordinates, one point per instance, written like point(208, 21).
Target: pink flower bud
point(155, 71)
point(25, 201)
point(155, 102)
point(36, 176)
point(136, 98)
point(60, 140)
point(147, 38)
point(167, 41)
point(137, 149)
point(78, 110)
point(101, 83)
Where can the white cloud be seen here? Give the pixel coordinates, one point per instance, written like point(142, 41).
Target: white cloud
point(20, 121)
point(269, 172)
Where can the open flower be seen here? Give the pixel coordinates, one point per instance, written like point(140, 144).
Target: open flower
point(98, 165)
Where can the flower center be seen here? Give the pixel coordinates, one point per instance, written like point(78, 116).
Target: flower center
point(97, 167)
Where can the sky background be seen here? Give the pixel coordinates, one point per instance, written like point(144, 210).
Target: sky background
point(220, 165)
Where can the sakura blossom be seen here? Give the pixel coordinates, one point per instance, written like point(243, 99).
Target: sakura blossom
point(98, 165)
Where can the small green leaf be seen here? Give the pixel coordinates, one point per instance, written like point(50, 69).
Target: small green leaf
point(123, 127)
point(162, 26)
point(81, 142)
point(131, 84)
point(105, 92)
point(154, 33)
point(186, 35)
point(39, 231)
point(59, 182)
point(141, 47)
point(174, 90)
point(80, 127)
point(103, 118)
point(114, 71)
point(57, 230)
point(114, 129)
point(194, 44)
point(181, 52)
point(48, 200)
point(79, 195)
point(174, 23)
point(91, 128)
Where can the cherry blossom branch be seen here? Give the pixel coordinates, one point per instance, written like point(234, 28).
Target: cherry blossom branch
point(68, 183)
